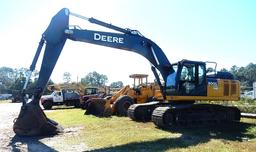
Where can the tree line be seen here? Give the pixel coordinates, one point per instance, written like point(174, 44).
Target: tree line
point(93, 79)
point(246, 75)
point(13, 79)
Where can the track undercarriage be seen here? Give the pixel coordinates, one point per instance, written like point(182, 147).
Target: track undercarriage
point(166, 115)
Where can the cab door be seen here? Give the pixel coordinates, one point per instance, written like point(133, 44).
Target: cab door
point(191, 78)
point(57, 96)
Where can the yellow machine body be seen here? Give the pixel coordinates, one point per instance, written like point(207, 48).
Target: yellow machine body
point(122, 99)
point(222, 90)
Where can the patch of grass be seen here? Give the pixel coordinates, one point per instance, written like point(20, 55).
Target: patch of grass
point(246, 106)
point(247, 101)
point(5, 101)
point(247, 109)
point(122, 134)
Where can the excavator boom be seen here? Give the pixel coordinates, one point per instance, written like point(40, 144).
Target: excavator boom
point(54, 39)
point(58, 32)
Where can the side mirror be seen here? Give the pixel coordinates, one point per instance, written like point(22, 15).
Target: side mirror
point(209, 70)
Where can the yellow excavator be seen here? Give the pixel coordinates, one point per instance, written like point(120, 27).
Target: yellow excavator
point(181, 83)
point(119, 102)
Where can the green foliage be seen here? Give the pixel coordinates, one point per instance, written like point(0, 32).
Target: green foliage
point(19, 83)
point(250, 73)
point(12, 80)
point(246, 75)
point(6, 78)
point(247, 109)
point(224, 70)
point(246, 105)
point(94, 79)
point(46, 91)
point(247, 101)
point(117, 84)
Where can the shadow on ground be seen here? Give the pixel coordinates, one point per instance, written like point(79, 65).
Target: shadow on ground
point(60, 108)
point(20, 144)
point(189, 137)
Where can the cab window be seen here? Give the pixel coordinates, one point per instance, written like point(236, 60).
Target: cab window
point(192, 79)
point(201, 74)
point(188, 72)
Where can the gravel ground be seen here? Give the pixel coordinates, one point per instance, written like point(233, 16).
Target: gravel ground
point(10, 142)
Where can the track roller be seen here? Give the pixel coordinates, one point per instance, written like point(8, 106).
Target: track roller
point(163, 117)
point(194, 115)
point(142, 112)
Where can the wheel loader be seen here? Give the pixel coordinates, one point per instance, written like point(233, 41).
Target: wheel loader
point(119, 102)
point(93, 92)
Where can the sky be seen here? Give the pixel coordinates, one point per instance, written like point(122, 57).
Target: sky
point(203, 30)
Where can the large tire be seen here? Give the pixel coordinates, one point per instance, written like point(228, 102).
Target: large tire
point(122, 104)
point(77, 103)
point(47, 104)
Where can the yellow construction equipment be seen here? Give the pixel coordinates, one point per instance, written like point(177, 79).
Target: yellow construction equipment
point(181, 83)
point(119, 102)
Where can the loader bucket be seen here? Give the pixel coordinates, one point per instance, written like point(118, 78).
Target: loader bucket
point(98, 107)
point(32, 121)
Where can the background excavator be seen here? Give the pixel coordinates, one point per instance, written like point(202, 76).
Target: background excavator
point(181, 83)
point(119, 102)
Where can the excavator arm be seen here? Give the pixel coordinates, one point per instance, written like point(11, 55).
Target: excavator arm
point(58, 31)
point(54, 39)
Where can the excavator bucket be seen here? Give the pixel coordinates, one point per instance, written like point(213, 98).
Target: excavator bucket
point(98, 107)
point(32, 121)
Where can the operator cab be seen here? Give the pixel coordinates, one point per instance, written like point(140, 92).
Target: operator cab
point(139, 78)
point(189, 79)
point(90, 91)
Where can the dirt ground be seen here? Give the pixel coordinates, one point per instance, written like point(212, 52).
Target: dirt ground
point(10, 142)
